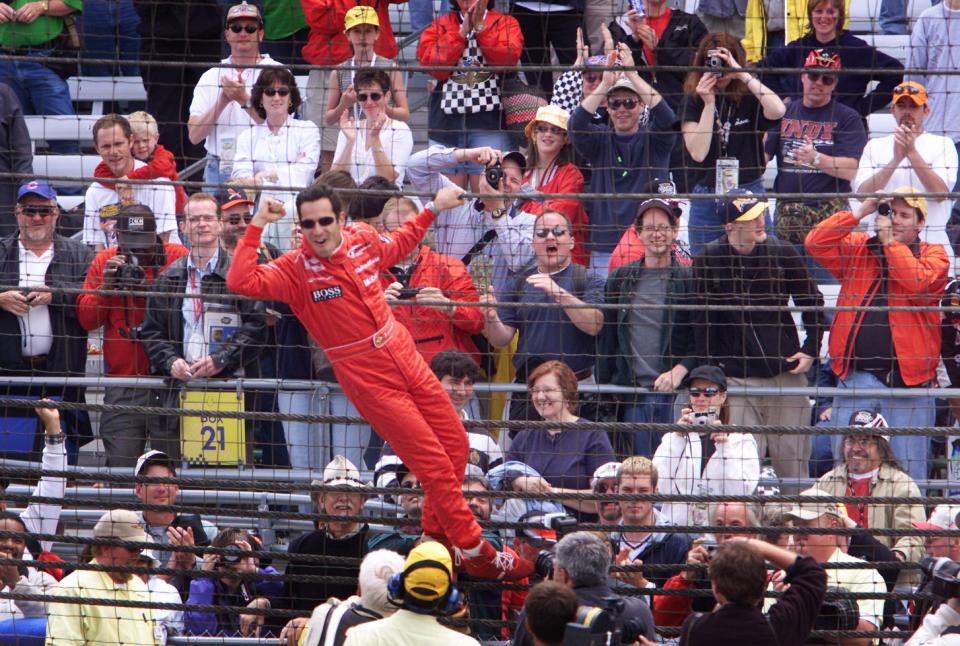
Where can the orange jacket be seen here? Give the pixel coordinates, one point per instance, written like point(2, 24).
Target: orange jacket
point(913, 279)
point(327, 43)
point(441, 44)
point(432, 328)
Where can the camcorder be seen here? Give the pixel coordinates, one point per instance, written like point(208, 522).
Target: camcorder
point(562, 524)
point(943, 575)
point(597, 626)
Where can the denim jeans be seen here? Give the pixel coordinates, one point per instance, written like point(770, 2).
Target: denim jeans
point(216, 174)
point(893, 16)
point(600, 262)
point(705, 224)
point(109, 30)
point(651, 408)
point(40, 91)
point(422, 14)
point(912, 451)
point(306, 442)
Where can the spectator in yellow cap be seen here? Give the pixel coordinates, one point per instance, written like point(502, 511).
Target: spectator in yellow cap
point(424, 591)
point(362, 27)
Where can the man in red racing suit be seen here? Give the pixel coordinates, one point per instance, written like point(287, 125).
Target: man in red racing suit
point(332, 285)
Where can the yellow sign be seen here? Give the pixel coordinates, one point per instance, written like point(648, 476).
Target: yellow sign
point(211, 438)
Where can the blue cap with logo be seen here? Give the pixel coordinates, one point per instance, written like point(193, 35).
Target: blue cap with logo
point(36, 187)
point(740, 205)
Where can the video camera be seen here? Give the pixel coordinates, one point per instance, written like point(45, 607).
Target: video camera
point(944, 575)
point(598, 626)
point(561, 525)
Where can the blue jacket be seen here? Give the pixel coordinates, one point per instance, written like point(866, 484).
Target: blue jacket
point(663, 548)
point(621, 164)
point(210, 592)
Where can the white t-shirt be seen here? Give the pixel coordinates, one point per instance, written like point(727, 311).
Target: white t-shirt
point(293, 152)
point(937, 151)
point(101, 205)
point(397, 142)
point(35, 327)
point(222, 140)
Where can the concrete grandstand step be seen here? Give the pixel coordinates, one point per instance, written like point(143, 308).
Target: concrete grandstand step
point(890, 44)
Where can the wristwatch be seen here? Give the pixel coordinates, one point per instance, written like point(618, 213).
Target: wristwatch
point(430, 207)
point(248, 104)
point(498, 213)
point(817, 159)
point(480, 26)
point(56, 438)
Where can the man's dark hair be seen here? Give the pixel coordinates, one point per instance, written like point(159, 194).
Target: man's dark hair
point(455, 363)
point(337, 180)
point(739, 573)
point(549, 607)
point(365, 205)
point(368, 75)
point(109, 121)
point(268, 76)
point(9, 515)
point(318, 192)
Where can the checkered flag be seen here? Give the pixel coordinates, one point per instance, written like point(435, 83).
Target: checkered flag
point(471, 89)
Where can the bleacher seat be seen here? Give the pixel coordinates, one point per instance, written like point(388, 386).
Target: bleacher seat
point(864, 14)
point(78, 166)
point(46, 128)
point(98, 90)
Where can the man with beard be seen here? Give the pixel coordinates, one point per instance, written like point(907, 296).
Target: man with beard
point(20, 579)
point(391, 472)
point(605, 481)
point(912, 157)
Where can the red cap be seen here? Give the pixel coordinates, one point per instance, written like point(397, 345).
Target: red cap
point(925, 525)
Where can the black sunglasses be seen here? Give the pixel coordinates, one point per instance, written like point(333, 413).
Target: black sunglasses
point(826, 79)
point(373, 96)
point(324, 221)
point(250, 29)
point(616, 104)
point(273, 91)
point(556, 231)
point(37, 211)
point(708, 392)
point(234, 218)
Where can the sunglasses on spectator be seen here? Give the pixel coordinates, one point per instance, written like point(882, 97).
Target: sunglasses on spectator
point(234, 218)
point(607, 487)
point(373, 96)
point(250, 29)
point(826, 79)
point(616, 104)
point(324, 221)
point(37, 211)
point(704, 392)
point(274, 91)
point(556, 231)
point(553, 130)
point(906, 89)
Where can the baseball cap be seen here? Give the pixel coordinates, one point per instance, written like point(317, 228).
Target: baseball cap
point(657, 203)
point(36, 187)
point(428, 572)
point(623, 83)
point(597, 60)
point(822, 59)
point(909, 195)
point(154, 457)
point(912, 90)
point(150, 554)
point(868, 419)
point(360, 15)
point(136, 224)
point(925, 525)
point(244, 10)
point(341, 471)
point(517, 157)
point(604, 471)
point(813, 509)
point(945, 516)
point(120, 523)
point(552, 114)
point(231, 196)
point(740, 205)
point(707, 373)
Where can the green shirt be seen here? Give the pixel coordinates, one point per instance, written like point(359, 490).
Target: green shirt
point(17, 35)
point(282, 18)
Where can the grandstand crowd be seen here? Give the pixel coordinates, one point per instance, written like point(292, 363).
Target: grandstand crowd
point(632, 213)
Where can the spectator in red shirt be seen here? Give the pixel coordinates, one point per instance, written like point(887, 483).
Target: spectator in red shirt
point(124, 434)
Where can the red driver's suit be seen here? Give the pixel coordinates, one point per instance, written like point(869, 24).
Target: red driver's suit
point(341, 303)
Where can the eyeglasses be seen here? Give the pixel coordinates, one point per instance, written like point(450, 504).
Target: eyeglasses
point(657, 228)
point(274, 91)
point(616, 104)
point(37, 211)
point(324, 221)
point(553, 130)
point(373, 96)
point(410, 484)
point(235, 218)
point(906, 89)
point(197, 219)
point(556, 231)
point(860, 440)
point(704, 392)
point(250, 29)
point(826, 79)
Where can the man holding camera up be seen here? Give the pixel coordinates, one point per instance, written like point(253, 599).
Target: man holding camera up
point(131, 266)
point(873, 348)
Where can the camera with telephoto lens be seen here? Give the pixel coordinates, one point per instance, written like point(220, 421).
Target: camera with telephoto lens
point(944, 575)
point(494, 175)
point(714, 61)
point(595, 626)
point(562, 524)
point(130, 274)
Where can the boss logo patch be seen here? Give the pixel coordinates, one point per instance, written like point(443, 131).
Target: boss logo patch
point(326, 294)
